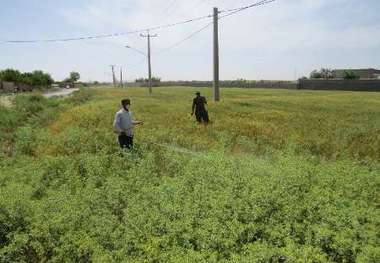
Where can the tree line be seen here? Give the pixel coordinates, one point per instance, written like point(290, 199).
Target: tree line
point(325, 73)
point(36, 78)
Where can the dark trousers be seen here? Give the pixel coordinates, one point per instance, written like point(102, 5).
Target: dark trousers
point(202, 116)
point(126, 142)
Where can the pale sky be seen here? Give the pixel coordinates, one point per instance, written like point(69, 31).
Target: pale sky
point(286, 39)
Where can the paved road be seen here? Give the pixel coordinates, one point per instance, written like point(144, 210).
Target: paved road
point(62, 92)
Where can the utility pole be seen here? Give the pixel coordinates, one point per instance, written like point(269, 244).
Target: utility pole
point(148, 36)
point(113, 75)
point(216, 56)
point(121, 77)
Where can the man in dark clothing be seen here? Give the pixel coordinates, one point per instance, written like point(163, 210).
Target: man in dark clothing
point(199, 108)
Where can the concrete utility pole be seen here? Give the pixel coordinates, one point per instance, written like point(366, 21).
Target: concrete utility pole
point(113, 75)
point(148, 36)
point(216, 56)
point(121, 77)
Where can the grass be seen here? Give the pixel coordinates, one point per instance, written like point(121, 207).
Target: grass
point(327, 124)
point(278, 176)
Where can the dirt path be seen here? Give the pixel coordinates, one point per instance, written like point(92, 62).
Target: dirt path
point(6, 101)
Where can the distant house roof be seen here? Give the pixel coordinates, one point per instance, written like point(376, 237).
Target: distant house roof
point(369, 73)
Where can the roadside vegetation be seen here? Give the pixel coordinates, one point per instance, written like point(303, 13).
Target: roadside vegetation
point(36, 78)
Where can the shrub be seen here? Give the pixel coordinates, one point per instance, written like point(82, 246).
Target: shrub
point(25, 141)
point(350, 75)
point(209, 208)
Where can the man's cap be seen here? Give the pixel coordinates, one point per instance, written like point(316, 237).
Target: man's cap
point(197, 93)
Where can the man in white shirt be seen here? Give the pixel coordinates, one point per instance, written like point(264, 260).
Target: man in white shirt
point(123, 125)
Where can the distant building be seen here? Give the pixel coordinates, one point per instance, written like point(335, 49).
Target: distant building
point(369, 73)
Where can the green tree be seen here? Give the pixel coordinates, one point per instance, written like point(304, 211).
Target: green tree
point(315, 74)
point(39, 78)
point(74, 76)
point(10, 75)
point(327, 73)
point(323, 73)
point(350, 75)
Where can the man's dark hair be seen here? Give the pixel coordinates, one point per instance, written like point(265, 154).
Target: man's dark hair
point(197, 93)
point(126, 102)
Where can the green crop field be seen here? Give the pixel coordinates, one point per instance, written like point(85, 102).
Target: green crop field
point(277, 176)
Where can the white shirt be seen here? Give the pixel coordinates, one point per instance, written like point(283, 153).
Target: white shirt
point(123, 122)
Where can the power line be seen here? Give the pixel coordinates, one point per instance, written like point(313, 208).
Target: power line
point(185, 39)
point(174, 4)
point(169, 9)
point(132, 67)
point(229, 13)
point(136, 50)
point(107, 35)
point(239, 9)
point(139, 63)
point(198, 4)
